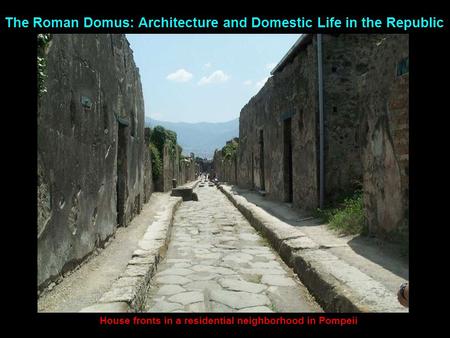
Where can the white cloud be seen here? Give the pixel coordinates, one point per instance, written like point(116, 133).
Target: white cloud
point(217, 77)
point(207, 65)
point(271, 66)
point(181, 75)
point(248, 83)
point(261, 82)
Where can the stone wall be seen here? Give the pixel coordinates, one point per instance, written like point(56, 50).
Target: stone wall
point(288, 98)
point(148, 177)
point(345, 59)
point(173, 168)
point(365, 130)
point(384, 102)
point(90, 165)
point(225, 168)
point(187, 171)
point(170, 168)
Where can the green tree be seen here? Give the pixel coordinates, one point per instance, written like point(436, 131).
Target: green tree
point(157, 165)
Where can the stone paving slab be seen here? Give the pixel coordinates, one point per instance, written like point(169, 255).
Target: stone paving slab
point(217, 262)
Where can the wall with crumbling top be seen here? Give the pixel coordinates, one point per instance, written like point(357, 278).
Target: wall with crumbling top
point(90, 148)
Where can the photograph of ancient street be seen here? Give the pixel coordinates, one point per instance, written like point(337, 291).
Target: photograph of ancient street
point(223, 173)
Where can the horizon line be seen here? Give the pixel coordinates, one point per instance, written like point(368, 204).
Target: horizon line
point(191, 122)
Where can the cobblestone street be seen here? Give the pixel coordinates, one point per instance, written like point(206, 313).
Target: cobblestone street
point(217, 262)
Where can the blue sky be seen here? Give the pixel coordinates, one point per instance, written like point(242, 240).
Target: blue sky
point(204, 77)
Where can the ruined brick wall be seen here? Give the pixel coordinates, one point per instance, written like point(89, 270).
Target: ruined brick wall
point(290, 94)
point(92, 82)
point(384, 102)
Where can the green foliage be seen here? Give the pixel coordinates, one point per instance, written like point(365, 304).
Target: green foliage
point(348, 218)
point(160, 136)
point(229, 151)
point(157, 165)
point(43, 40)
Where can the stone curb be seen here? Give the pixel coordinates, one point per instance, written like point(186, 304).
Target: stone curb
point(336, 285)
point(128, 292)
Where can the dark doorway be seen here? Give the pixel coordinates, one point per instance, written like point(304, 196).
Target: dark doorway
point(287, 160)
point(253, 171)
point(121, 174)
point(235, 171)
point(261, 160)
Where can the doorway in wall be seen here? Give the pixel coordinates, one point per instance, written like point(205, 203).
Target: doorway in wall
point(287, 160)
point(253, 171)
point(261, 160)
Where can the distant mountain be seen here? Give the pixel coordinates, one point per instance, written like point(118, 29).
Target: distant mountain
point(200, 138)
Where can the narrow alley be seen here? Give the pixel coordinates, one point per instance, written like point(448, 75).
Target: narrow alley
point(217, 262)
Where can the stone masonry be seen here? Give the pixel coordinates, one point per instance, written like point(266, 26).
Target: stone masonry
point(182, 170)
point(365, 87)
point(384, 102)
point(90, 148)
point(225, 168)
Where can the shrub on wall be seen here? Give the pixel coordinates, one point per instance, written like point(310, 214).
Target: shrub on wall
point(229, 151)
point(157, 166)
point(161, 136)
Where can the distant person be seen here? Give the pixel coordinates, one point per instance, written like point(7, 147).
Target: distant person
point(403, 294)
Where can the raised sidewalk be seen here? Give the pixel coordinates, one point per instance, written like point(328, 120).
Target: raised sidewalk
point(344, 274)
